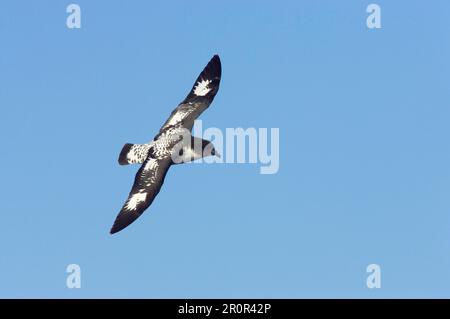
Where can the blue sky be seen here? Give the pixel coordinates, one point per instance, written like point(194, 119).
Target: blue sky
point(364, 154)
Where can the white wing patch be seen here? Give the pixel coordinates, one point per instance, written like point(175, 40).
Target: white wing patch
point(138, 153)
point(135, 200)
point(151, 165)
point(202, 88)
point(179, 116)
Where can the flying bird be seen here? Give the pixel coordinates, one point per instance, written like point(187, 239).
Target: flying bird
point(173, 144)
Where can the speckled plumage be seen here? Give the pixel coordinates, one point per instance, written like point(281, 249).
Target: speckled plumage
point(156, 157)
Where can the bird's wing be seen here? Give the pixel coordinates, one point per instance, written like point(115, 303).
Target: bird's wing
point(147, 183)
point(199, 98)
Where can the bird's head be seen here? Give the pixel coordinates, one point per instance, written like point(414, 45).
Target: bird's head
point(209, 149)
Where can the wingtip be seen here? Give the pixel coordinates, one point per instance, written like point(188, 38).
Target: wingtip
point(213, 69)
point(123, 220)
point(113, 230)
point(117, 227)
point(216, 60)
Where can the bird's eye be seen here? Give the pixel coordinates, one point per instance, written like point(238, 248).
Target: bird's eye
point(213, 152)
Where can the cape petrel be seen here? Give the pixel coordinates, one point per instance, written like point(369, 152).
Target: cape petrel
point(157, 156)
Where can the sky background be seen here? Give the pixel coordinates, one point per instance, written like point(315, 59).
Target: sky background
point(364, 149)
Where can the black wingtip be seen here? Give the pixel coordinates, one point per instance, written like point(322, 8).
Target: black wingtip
point(211, 73)
point(118, 224)
point(117, 227)
point(213, 70)
point(216, 58)
point(123, 220)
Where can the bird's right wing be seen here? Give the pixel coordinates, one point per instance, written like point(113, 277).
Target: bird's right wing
point(147, 183)
point(199, 98)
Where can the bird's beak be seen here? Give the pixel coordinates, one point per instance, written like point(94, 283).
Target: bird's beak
point(218, 155)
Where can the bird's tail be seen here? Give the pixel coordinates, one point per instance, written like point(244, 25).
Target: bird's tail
point(133, 153)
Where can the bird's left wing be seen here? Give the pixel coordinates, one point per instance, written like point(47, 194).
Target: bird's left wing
point(147, 183)
point(199, 98)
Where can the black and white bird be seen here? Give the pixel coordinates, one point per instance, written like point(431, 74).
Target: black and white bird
point(172, 145)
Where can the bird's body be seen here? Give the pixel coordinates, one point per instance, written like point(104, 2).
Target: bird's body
point(172, 145)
